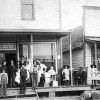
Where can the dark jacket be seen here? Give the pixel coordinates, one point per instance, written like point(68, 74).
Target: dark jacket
point(23, 72)
point(84, 75)
point(75, 74)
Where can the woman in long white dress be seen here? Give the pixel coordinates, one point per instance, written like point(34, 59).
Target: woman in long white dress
point(93, 74)
point(66, 73)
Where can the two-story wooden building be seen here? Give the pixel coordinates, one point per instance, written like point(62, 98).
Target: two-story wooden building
point(31, 28)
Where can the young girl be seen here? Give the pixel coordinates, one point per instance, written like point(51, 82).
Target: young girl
point(52, 74)
point(93, 73)
point(66, 73)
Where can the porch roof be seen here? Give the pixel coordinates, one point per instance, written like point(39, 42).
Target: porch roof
point(59, 32)
point(92, 39)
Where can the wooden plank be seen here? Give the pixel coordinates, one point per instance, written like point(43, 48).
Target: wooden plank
point(15, 91)
point(51, 94)
point(58, 89)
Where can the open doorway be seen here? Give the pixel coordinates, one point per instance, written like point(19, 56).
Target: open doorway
point(8, 58)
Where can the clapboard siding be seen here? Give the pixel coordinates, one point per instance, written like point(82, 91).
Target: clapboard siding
point(77, 58)
point(92, 21)
point(88, 55)
point(46, 15)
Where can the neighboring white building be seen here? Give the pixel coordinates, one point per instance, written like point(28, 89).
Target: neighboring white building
point(89, 52)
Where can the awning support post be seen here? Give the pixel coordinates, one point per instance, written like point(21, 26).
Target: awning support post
point(71, 59)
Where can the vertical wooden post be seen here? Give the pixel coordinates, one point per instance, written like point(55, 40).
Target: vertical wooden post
point(17, 51)
point(96, 53)
point(71, 59)
point(31, 43)
point(61, 52)
point(55, 48)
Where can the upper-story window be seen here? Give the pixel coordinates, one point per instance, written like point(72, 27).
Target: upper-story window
point(27, 9)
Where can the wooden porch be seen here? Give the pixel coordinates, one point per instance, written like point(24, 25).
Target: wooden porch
point(51, 91)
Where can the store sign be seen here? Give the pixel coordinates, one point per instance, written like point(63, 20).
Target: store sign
point(7, 46)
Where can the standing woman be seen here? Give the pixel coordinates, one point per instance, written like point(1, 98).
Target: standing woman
point(66, 73)
point(93, 73)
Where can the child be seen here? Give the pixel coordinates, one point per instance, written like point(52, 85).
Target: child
point(23, 77)
point(35, 77)
point(42, 79)
point(84, 77)
point(4, 81)
point(75, 74)
point(52, 74)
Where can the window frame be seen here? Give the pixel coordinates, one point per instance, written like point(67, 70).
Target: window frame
point(33, 10)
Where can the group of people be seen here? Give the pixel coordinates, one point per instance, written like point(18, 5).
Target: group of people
point(8, 75)
point(79, 77)
point(18, 75)
point(40, 76)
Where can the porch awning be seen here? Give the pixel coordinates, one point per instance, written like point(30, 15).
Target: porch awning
point(35, 31)
point(97, 39)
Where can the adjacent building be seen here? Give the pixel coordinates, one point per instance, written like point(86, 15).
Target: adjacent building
point(85, 40)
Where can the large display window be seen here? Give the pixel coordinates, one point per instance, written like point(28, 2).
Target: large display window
point(45, 52)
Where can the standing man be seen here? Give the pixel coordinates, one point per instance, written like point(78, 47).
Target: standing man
point(12, 74)
point(23, 78)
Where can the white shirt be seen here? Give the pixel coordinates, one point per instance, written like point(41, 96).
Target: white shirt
point(52, 72)
point(43, 66)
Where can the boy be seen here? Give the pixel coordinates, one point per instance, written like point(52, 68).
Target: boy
point(23, 77)
point(35, 77)
point(4, 81)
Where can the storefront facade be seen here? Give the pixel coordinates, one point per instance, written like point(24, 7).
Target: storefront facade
point(34, 31)
point(45, 48)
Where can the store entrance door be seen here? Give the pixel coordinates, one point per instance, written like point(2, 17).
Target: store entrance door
point(8, 58)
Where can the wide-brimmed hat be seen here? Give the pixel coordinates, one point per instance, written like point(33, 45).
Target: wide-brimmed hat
point(66, 66)
point(93, 65)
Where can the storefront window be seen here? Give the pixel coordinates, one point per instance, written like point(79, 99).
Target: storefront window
point(44, 52)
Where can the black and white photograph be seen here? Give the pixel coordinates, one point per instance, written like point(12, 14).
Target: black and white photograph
point(49, 49)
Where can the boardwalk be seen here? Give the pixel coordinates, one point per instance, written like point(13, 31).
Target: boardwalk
point(54, 98)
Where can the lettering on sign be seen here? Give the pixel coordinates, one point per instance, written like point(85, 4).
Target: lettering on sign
point(7, 46)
